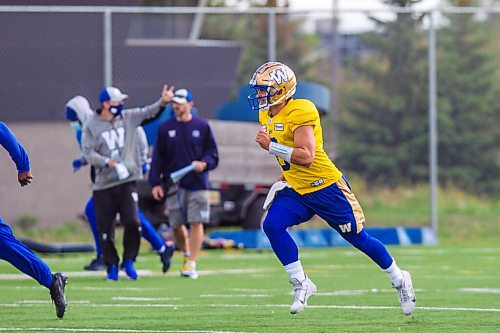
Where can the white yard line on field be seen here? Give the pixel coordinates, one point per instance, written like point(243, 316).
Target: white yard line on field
point(48, 301)
point(361, 307)
point(418, 308)
point(144, 299)
point(481, 290)
point(105, 330)
point(460, 277)
point(249, 290)
point(427, 251)
point(222, 305)
point(140, 289)
point(344, 292)
point(235, 296)
point(146, 272)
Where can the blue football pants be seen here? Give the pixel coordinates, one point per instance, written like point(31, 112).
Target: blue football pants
point(289, 208)
point(21, 257)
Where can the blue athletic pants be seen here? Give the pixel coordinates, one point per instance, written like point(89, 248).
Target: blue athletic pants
point(21, 257)
point(336, 205)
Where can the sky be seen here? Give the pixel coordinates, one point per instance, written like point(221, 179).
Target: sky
point(355, 22)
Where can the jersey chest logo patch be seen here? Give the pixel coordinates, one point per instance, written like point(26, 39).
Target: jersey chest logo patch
point(171, 133)
point(279, 127)
point(196, 134)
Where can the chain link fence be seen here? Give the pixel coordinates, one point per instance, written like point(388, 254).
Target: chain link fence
point(50, 54)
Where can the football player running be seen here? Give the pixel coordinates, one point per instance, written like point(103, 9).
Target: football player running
point(15, 252)
point(311, 184)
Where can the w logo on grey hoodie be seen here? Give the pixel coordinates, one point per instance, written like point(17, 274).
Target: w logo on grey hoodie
point(116, 139)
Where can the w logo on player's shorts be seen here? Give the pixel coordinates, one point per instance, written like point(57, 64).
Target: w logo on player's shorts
point(345, 227)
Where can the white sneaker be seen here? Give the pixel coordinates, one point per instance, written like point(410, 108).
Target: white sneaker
point(302, 291)
point(406, 294)
point(189, 270)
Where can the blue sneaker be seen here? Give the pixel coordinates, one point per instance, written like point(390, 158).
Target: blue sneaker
point(128, 265)
point(112, 273)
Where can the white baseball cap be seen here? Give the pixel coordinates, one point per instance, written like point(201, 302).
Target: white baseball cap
point(112, 94)
point(182, 96)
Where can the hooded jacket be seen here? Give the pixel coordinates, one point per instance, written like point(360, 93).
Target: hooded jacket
point(116, 139)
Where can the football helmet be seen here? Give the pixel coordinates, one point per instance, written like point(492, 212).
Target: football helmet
point(274, 83)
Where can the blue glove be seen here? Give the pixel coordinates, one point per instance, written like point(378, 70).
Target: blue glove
point(77, 164)
point(145, 168)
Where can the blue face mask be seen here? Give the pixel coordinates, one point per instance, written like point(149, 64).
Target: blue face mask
point(76, 126)
point(116, 110)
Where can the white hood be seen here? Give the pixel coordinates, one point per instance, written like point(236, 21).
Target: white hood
point(82, 108)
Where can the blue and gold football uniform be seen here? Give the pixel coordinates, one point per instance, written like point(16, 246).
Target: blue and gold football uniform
point(301, 112)
point(319, 189)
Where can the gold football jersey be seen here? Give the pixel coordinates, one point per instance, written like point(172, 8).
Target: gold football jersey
point(301, 112)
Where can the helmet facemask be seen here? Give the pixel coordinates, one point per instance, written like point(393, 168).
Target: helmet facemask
point(261, 98)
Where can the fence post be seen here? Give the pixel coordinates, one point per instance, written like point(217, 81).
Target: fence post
point(333, 134)
point(107, 49)
point(271, 40)
point(433, 139)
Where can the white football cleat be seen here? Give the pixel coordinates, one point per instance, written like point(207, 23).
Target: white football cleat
point(302, 291)
point(406, 294)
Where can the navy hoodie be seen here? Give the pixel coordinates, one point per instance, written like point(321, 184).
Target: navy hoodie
point(177, 145)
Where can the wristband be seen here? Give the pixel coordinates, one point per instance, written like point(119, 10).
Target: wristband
point(280, 150)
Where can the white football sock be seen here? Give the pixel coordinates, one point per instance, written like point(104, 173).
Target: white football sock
point(394, 273)
point(295, 271)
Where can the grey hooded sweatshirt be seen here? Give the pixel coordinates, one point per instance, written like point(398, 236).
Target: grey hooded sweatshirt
point(116, 139)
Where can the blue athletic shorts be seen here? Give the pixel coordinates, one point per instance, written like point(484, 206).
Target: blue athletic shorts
point(336, 204)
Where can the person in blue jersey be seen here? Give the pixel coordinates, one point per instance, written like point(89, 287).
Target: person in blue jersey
point(185, 140)
point(77, 112)
point(109, 144)
point(311, 184)
point(15, 252)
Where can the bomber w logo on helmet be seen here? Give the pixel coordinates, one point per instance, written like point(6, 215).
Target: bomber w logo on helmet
point(279, 75)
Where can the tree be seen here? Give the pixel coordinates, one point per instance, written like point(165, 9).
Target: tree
point(293, 45)
point(384, 127)
point(384, 124)
point(468, 104)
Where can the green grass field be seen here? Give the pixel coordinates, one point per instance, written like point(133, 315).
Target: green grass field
point(458, 290)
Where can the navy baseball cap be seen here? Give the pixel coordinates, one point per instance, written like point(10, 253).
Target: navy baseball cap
point(182, 96)
point(112, 94)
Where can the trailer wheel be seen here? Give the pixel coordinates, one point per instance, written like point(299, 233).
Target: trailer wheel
point(255, 214)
